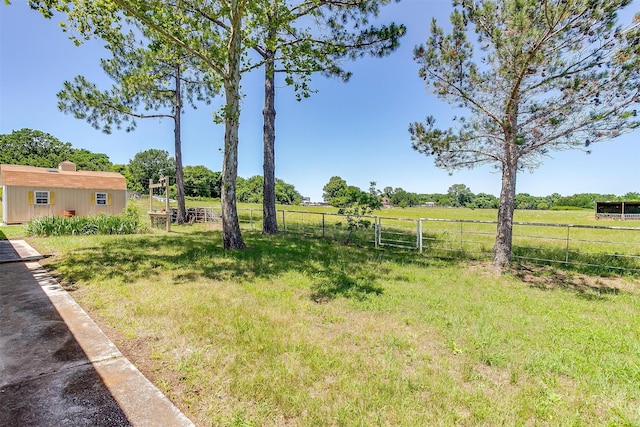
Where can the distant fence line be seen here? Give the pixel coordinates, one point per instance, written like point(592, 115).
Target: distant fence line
point(628, 216)
point(585, 247)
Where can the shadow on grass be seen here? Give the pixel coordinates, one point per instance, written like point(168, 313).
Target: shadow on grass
point(2, 236)
point(339, 284)
point(593, 288)
point(579, 262)
point(333, 270)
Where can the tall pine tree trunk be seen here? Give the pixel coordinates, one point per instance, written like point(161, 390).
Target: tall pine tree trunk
point(231, 235)
point(504, 236)
point(269, 219)
point(177, 115)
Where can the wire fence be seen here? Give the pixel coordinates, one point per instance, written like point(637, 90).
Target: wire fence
point(587, 248)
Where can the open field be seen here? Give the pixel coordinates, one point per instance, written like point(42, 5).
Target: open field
point(301, 331)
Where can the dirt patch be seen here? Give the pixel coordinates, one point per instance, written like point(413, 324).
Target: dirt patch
point(545, 277)
point(140, 353)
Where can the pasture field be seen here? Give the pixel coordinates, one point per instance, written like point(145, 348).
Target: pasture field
point(576, 217)
point(300, 331)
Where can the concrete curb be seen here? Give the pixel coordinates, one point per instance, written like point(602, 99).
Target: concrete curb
point(60, 368)
point(142, 402)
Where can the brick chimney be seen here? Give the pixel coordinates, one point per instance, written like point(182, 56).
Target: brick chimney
point(67, 166)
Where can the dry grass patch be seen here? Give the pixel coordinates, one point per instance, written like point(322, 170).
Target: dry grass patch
point(550, 278)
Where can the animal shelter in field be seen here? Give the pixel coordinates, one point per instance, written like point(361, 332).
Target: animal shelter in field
point(618, 210)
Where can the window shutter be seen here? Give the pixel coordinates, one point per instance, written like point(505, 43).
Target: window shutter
point(92, 199)
point(52, 198)
point(109, 199)
point(30, 197)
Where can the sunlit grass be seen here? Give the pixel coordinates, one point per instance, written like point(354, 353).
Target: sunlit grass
point(301, 331)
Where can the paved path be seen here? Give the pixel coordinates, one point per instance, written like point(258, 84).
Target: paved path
point(57, 368)
point(17, 251)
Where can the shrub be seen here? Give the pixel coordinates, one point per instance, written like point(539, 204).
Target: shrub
point(567, 208)
point(128, 222)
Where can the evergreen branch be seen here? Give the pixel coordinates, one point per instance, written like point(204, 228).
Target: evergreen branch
point(169, 36)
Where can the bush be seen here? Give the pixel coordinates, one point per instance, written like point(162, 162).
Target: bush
point(128, 222)
point(568, 208)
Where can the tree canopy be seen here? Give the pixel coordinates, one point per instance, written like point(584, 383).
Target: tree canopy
point(541, 76)
point(250, 191)
point(200, 181)
point(36, 148)
point(337, 193)
point(334, 188)
point(151, 164)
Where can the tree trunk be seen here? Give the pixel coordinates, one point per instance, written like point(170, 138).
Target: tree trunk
point(504, 236)
point(177, 115)
point(269, 218)
point(231, 235)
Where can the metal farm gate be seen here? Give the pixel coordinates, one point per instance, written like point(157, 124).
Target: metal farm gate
point(398, 233)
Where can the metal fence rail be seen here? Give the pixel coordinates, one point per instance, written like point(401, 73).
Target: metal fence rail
point(627, 216)
point(584, 246)
point(581, 246)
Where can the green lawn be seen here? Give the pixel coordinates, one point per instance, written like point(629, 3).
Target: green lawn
point(304, 332)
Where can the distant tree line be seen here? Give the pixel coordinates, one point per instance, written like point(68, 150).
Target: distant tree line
point(337, 192)
point(199, 181)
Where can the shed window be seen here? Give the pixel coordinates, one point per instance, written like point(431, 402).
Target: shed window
point(101, 198)
point(41, 198)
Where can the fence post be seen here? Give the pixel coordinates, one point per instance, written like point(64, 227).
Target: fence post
point(323, 235)
point(376, 232)
point(284, 225)
point(461, 237)
point(566, 253)
point(251, 218)
point(420, 235)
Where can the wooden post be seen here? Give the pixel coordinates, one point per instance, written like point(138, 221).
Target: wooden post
point(165, 182)
point(150, 195)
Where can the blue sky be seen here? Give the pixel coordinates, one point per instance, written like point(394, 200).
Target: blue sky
point(356, 130)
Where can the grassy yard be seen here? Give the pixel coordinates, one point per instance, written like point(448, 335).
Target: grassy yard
point(304, 332)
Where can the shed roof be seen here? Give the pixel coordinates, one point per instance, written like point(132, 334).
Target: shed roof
point(31, 176)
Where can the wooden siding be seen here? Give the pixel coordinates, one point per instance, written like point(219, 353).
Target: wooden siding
point(26, 176)
point(18, 210)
